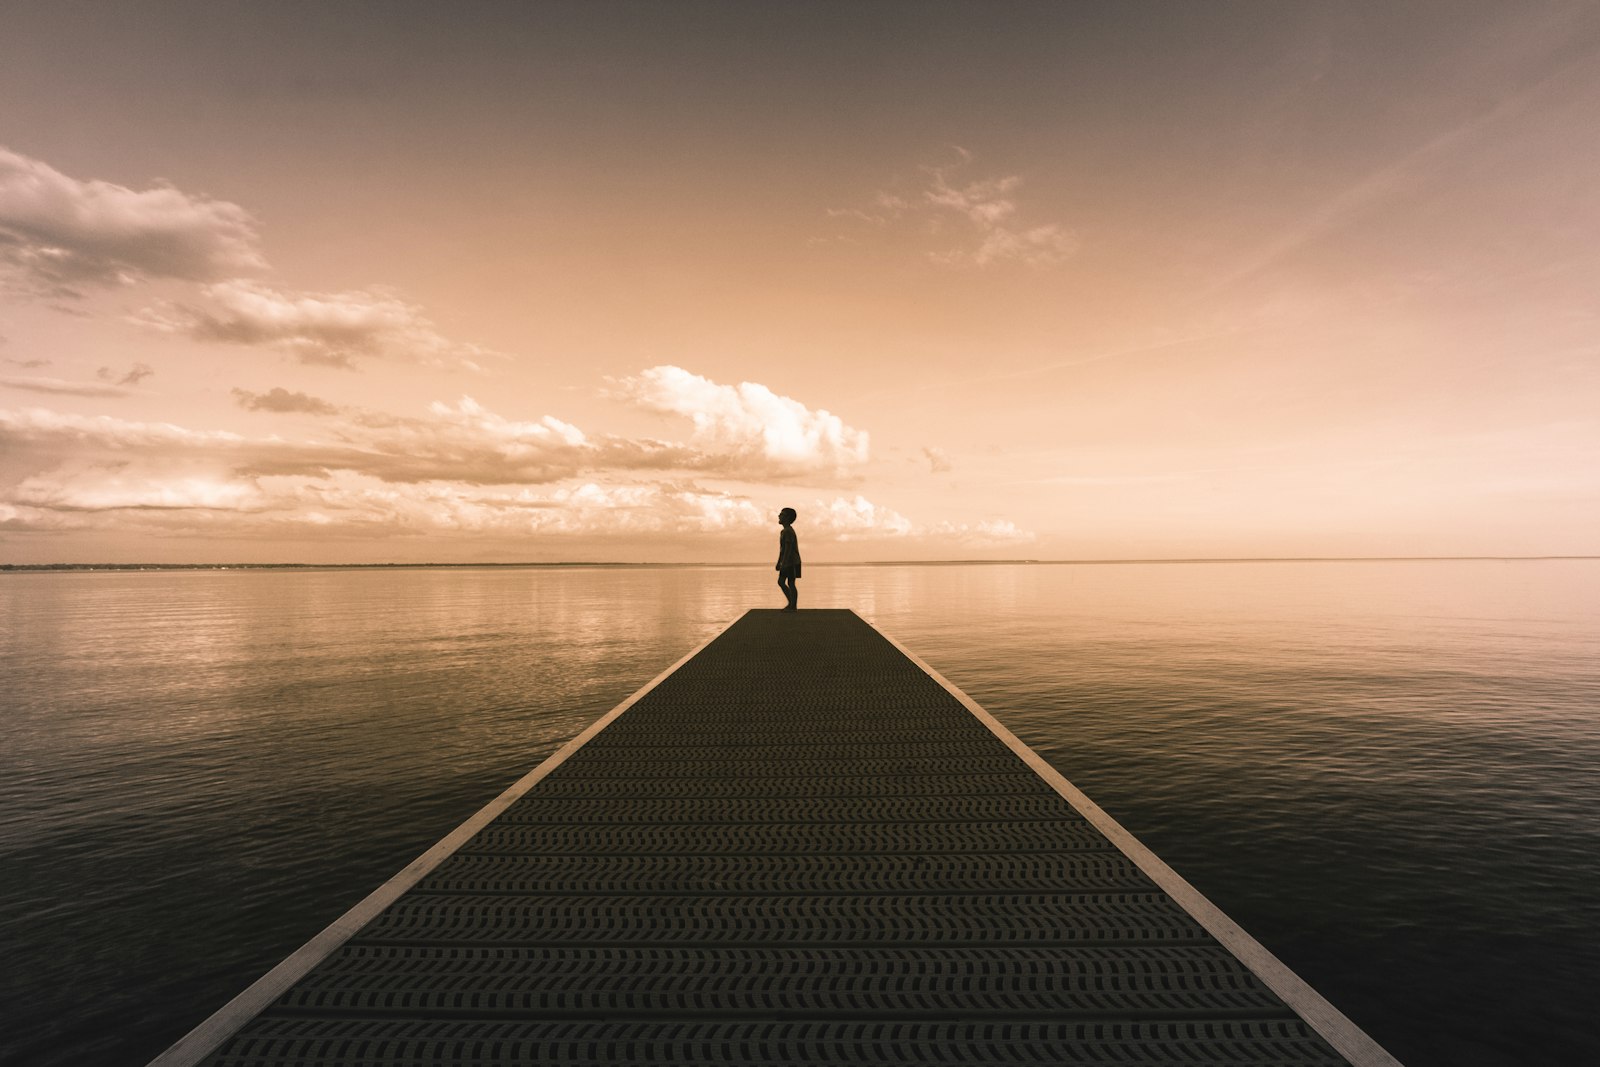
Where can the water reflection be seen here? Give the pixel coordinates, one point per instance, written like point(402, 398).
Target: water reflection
point(1385, 770)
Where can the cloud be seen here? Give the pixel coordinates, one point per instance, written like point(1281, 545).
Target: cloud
point(464, 443)
point(134, 495)
point(857, 518)
point(138, 373)
point(282, 400)
point(883, 210)
point(27, 364)
point(142, 494)
point(123, 487)
point(1039, 246)
point(33, 427)
point(58, 234)
point(985, 532)
point(467, 442)
point(746, 429)
point(989, 207)
point(108, 382)
point(63, 388)
point(454, 468)
point(986, 204)
point(745, 432)
point(327, 329)
point(938, 462)
point(37, 520)
point(984, 213)
point(854, 517)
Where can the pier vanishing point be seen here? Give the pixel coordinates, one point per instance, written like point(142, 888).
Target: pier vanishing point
point(799, 845)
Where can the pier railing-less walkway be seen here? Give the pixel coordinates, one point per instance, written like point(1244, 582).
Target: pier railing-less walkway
point(799, 846)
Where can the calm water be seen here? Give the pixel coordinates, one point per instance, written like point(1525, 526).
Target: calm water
point(1388, 772)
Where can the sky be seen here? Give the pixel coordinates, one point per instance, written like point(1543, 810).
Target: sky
point(496, 282)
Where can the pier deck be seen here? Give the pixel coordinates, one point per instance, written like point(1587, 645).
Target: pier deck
point(799, 846)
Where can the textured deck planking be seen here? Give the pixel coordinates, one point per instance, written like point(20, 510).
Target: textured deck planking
point(799, 846)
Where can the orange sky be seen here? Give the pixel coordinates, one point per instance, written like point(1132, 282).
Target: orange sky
point(388, 282)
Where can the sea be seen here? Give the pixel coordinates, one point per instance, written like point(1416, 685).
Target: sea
point(1386, 771)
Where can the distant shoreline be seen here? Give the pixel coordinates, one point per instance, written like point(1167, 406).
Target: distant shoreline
point(47, 567)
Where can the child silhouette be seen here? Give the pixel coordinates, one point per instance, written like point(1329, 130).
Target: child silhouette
point(788, 558)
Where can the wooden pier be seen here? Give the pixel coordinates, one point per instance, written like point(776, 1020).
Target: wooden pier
point(800, 845)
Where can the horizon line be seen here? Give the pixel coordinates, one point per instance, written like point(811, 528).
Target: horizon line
point(1113, 561)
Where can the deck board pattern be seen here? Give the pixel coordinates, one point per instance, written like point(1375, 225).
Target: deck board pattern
point(798, 848)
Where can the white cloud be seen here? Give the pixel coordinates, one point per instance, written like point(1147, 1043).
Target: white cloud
point(473, 417)
point(938, 461)
point(989, 206)
point(745, 432)
point(655, 508)
point(854, 517)
point(330, 329)
point(857, 519)
point(117, 487)
point(61, 387)
point(985, 532)
point(151, 494)
point(747, 429)
point(107, 383)
point(464, 443)
point(985, 203)
point(145, 495)
point(985, 212)
point(58, 233)
point(38, 520)
point(457, 468)
point(36, 426)
point(1038, 246)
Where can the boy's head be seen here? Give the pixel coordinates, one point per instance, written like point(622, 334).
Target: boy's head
point(787, 516)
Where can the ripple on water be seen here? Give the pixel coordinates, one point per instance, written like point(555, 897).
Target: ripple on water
point(1386, 772)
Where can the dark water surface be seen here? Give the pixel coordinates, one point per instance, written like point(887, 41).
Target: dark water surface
point(1389, 773)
